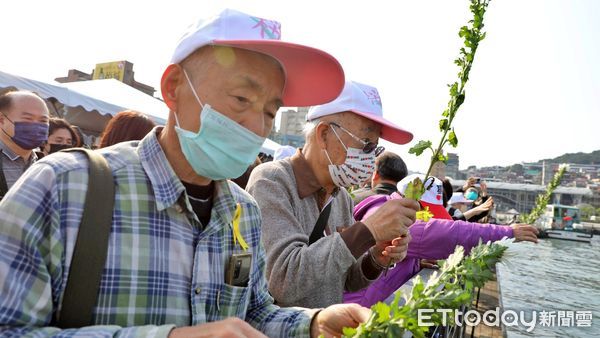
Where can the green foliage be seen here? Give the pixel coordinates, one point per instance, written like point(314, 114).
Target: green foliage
point(586, 211)
point(420, 147)
point(452, 139)
point(472, 35)
point(580, 158)
point(414, 189)
point(543, 199)
point(449, 288)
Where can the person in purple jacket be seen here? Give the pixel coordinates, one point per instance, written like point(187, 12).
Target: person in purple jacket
point(432, 240)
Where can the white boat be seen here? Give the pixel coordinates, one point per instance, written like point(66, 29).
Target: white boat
point(569, 235)
point(562, 222)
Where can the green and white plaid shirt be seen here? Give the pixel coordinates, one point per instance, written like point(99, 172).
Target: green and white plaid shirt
point(162, 270)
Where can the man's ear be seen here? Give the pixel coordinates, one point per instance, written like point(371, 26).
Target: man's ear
point(375, 176)
point(322, 129)
point(169, 83)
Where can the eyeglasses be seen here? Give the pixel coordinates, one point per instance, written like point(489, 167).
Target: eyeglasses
point(368, 146)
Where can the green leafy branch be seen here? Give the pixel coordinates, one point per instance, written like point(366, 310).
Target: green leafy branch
point(543, 198)
point(472, 35)
point(449, 288)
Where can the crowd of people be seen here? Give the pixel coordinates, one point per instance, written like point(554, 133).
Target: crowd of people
point(204, 240)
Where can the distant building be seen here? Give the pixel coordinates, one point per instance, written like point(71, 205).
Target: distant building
point(452, 166)
point(291, 127)
point(119, 70)
point(293, 121)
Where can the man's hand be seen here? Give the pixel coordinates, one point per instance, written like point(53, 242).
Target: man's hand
point(391, 252)
point(525, 232)
point(392, 219)
point(230, 327)
point(331, 320)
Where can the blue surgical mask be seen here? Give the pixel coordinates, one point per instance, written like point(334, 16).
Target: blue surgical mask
point(222, 148)
point(28, 135)
point(471, 195)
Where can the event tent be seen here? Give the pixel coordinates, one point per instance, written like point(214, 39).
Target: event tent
point(89, 104)
point(120, 95)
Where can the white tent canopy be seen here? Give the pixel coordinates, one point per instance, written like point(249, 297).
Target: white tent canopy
point(121, 96)
point(59, 92)
point(90, 104)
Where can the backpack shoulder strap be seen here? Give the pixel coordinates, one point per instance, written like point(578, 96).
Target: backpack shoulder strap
point(317, 232)
point(89, 254)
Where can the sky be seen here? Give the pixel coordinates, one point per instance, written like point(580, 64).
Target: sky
point(533, 93)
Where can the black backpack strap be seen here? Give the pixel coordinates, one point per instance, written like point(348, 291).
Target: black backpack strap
point(317, 232)
point(89, 255)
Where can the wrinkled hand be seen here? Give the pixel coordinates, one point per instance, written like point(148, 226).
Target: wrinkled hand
point(393, 251)
point(525, 232)
point(230, 327)
point(392, 219)
point(331, 321)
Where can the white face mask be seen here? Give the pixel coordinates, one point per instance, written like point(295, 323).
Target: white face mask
point(357, 168)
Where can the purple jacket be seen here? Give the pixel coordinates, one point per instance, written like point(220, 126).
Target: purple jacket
point(435, 239)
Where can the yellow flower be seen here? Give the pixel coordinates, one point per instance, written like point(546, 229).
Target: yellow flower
point(424, 215)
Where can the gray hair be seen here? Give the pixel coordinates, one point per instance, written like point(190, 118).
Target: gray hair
point(309, 127)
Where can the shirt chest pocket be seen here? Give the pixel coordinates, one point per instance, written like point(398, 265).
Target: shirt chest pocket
point(232, 301)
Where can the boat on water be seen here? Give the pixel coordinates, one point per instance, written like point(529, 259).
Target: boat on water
point(569, 235)
point(563, 222)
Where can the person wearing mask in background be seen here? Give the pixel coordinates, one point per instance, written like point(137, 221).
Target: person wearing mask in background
point(305, 267)
point(128, 125)
point(475, 189)
point(389, 170)
point(60, 136)
point(166, 266)
point(459, 207)
point(432, 240)
point(24, 120)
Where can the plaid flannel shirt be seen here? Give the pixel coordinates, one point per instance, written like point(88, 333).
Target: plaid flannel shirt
point(162, 270)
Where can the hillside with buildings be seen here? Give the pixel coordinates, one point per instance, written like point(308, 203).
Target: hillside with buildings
point(517, 186)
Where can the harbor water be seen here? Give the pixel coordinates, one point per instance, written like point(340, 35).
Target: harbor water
point(553, 275)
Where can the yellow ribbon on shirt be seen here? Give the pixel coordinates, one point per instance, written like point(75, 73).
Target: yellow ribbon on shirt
point(237, 235)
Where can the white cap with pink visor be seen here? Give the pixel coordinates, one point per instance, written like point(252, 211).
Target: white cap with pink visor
point(312, 76)
point(365, 101)
point(432, 198)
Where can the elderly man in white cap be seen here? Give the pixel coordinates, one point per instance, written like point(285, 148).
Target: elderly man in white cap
point(304, 204)
point(183, 254)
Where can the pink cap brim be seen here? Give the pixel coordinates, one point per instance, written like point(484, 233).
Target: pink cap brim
point(389, 131)
point(437, 210)
point(313, 77)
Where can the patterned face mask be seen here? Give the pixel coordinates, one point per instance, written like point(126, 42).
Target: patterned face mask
point(356, 169)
